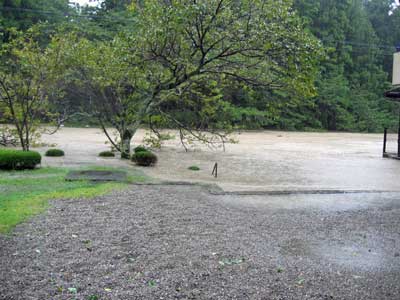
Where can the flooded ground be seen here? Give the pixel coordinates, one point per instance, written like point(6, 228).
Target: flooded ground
point(264, 160)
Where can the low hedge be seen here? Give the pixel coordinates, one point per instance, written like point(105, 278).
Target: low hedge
point(19, 160)
point(144, 158)
point(140, 149)
point(107, 154)
point(54, 153)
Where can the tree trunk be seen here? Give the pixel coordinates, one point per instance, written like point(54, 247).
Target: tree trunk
point(23, 141)
point(126, 137)
point(27, 140)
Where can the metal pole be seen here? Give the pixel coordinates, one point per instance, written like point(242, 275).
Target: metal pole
point(398, 138)
point(384, 141)
point(215, 170)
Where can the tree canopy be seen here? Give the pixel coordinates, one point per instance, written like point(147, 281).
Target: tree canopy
point(185, 50)
point(203, 66)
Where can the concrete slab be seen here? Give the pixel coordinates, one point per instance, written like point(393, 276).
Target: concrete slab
point(95, 175)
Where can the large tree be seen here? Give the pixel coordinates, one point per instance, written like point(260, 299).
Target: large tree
point(27, 82)
point(179, 47)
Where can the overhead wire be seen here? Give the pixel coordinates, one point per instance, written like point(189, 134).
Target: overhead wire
point(60, 14)
point(94, 16)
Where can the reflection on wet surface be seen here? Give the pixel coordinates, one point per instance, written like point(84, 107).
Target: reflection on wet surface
point(352, 256)
point(355, 232)
point(321, 202)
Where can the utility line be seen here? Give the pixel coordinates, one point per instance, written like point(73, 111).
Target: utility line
point(58, 14)
point(353, 43)
point(94, 16)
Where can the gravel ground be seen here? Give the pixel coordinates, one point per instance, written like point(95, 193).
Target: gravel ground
point(180, 242)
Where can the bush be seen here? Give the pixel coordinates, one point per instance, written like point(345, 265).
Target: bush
point(107, 154)
point(140, 149)
point(194, 168)
point(54, 153)
point(19, 160)
point(144, 158)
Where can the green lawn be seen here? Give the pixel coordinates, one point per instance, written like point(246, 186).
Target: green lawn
point(26, 193)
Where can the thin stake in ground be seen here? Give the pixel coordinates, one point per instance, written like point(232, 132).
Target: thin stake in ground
point(215, 170)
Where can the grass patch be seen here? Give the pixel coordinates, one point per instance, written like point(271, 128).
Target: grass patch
point(26, 193)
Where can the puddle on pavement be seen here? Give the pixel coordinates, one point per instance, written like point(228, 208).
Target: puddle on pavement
point(352, 256)
point(325, 202)
point(296, 247)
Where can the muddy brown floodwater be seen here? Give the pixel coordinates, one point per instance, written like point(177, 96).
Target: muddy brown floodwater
point(261, 160)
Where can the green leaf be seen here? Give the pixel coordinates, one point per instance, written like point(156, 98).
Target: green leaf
point(152, 283)
point(229, 262)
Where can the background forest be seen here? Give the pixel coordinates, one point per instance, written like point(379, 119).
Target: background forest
point(358, 38)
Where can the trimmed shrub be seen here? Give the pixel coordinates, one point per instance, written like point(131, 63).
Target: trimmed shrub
point(144, 158)
point(140, 149)
point(107, 154)
point(133, 157)
point(55, 153)
point(194, 168)
point(19, 160)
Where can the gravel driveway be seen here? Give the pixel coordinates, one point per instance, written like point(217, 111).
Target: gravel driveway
point(180, 242)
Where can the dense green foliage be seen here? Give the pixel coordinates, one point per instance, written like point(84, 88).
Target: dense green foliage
point(18, 160)
point(55, 152)
point(353, 75)
point(21, 15)
point(29, 85)
point(144, 158)
point(339, 90)
point(139, 149)
point(358, 37)
point(175, 67)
